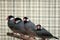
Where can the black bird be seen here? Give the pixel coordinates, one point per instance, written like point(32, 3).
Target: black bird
point(43, 33)
point(19, 25)
point(10, 22)
point(29, 26)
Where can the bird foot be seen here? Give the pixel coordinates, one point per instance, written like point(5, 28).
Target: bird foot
point(8, 33)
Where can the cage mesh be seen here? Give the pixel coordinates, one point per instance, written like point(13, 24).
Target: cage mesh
point(44, 12)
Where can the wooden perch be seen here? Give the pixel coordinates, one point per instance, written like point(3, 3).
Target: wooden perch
point(19, 37)
point(13, 35)
point(43, 39)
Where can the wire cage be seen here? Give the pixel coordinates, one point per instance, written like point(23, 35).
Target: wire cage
point(44, 12)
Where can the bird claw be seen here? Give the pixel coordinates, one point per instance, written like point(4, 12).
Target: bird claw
point(10, 33)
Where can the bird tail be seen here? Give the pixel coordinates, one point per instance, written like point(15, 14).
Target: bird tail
point(55, 37)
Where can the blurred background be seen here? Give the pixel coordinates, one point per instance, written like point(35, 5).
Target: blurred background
point(44, 12)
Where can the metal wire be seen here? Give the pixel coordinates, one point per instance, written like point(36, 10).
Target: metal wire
point(44, 12)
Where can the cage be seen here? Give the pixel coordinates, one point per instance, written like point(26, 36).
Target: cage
point(44, 12)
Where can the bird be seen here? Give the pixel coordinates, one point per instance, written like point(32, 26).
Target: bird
point(28, 23)
point(43, 33)
point(29, 26)
point(19, 25)
point(10, 22)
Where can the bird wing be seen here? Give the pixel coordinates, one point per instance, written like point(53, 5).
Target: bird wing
point(44, 32)
point(11, 24)
point(30, 28)
point(20, 27)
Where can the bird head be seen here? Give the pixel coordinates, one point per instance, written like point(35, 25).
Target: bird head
point(38, 26)
point(17, 20)
point(10, 17)
point(25, 19)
